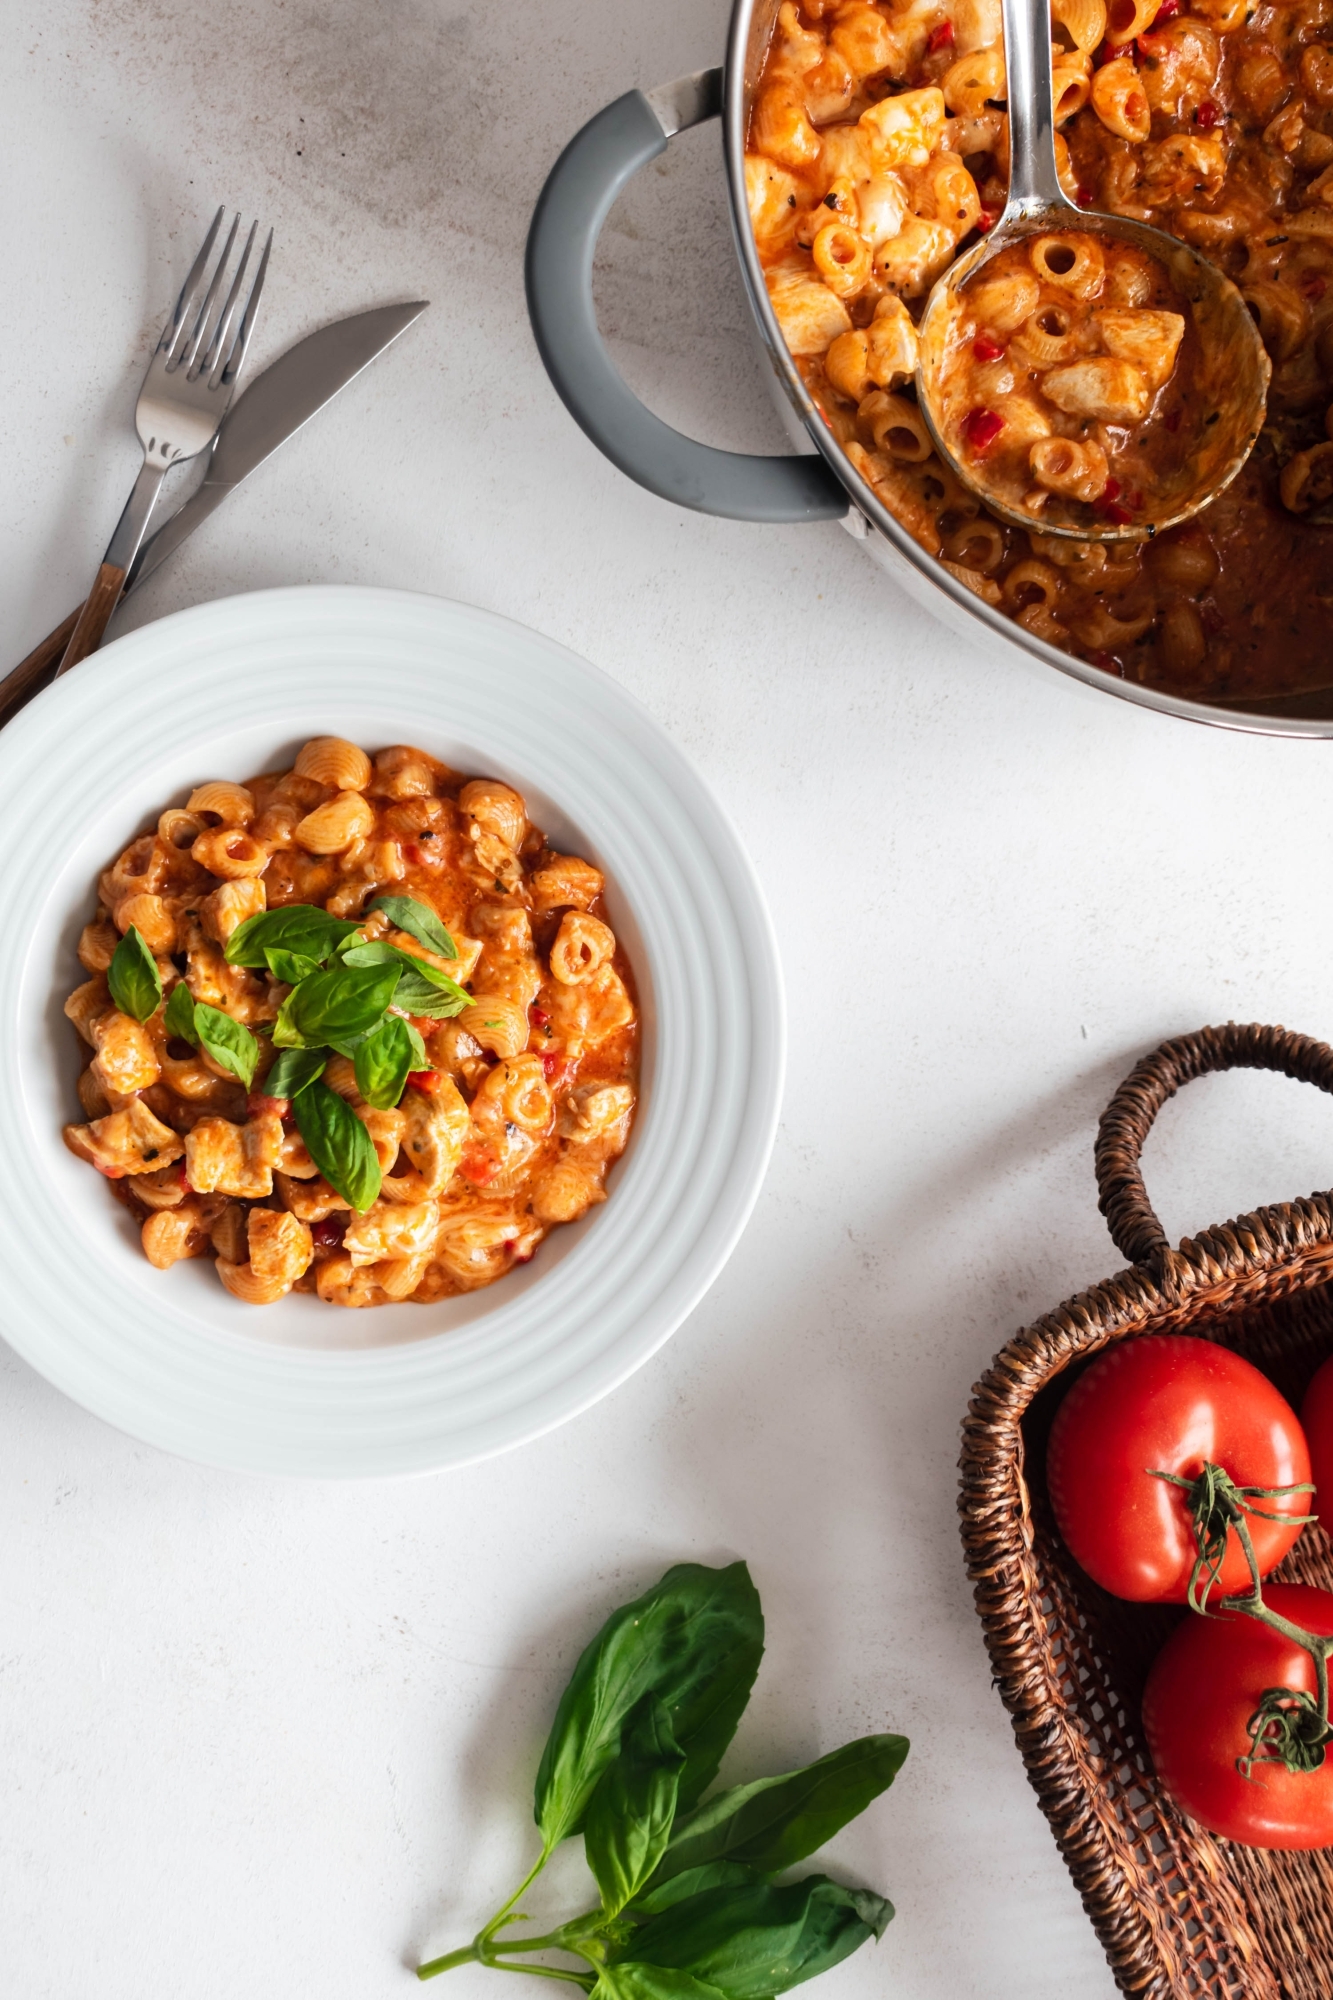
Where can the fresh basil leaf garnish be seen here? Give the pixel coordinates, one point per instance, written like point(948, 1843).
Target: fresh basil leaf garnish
point(419, 921)
point(383, 1059)
point(695, 1640)
point(290, 966)
point(418, 995)
point(133, 977)
point(756, 1940)
point(630, 1813)
point(229, 1042)
point(298, 927)
point(369, 951)
point(773, 1823)
point(338, 1143)
point(179, 1017)
point(422, 988)
point(293, 1070)
point(331, 1006)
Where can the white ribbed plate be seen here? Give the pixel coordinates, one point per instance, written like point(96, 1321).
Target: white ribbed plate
point(301, 1387)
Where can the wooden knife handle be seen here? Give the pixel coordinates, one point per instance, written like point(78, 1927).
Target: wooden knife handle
point(94, 617)
point(31, 674)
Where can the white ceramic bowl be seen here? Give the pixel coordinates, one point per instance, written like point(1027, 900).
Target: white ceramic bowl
point(301, 1387)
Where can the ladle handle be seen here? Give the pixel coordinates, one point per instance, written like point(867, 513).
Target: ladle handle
point(1033, 181)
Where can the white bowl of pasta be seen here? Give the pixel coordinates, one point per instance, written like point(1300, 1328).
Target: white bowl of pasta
point(866, 148)
point(428, 1146)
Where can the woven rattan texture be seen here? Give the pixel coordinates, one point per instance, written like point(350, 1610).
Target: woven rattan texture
point(1178, 1912)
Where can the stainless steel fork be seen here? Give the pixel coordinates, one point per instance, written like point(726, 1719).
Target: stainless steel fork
point(184, 398)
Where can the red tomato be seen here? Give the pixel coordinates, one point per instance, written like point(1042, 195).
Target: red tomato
point(1167, 1403)
point(1204, 1686)
point(1317, 1419)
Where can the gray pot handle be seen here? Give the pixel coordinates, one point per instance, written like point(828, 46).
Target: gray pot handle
point(566, 224)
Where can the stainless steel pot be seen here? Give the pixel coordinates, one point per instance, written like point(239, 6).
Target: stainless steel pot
point(819, 483)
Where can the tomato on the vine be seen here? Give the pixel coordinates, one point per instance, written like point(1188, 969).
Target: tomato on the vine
point(1204, 1688)
point(1317, 1423)
point(1166, 1403)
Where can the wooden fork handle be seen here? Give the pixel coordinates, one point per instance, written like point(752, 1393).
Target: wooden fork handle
point(94, 617)
point(29, 675)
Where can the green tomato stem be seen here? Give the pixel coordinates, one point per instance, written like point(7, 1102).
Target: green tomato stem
point(1216, 1506)
point(1271, 1740)
point(1287, 1727)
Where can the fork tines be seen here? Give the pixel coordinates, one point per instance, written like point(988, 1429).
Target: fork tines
point(192, 338)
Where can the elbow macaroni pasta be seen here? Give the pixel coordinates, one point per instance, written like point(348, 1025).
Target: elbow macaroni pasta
point(879, 145)
point(512, 1131)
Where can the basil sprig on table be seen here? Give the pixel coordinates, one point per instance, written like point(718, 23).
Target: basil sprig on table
point(343, 987)
point(688, 1908)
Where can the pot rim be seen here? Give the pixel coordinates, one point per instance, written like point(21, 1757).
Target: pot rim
point(735, 119)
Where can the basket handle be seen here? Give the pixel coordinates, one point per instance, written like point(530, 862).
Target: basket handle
point(1128, 1119)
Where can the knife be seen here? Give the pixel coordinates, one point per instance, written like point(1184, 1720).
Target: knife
point(275, 406)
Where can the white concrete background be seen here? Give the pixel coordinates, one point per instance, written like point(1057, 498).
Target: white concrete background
point(275, 1740)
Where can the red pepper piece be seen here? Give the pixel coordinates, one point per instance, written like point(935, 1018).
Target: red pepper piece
point(986, 349)
point(981, 428)
point(424, 1079)
point(1208, 115)
point(1109, 492)
point(987, 219)
point(1085, 196)
point(941, 37)
point(558, 1069)
point(329, 1233)
point(1166, 12)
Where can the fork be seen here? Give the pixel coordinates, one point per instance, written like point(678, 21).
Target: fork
point(184, 398)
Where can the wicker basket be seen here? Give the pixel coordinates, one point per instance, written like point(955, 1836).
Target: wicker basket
point(1178, 1911)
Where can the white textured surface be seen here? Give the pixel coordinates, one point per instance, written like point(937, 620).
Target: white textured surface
point(172, 1358)
point(269, 1740)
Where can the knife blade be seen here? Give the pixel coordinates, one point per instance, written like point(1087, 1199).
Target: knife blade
point(275, 406)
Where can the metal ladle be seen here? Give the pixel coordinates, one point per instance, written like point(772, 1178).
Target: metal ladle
point(1233, 369)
